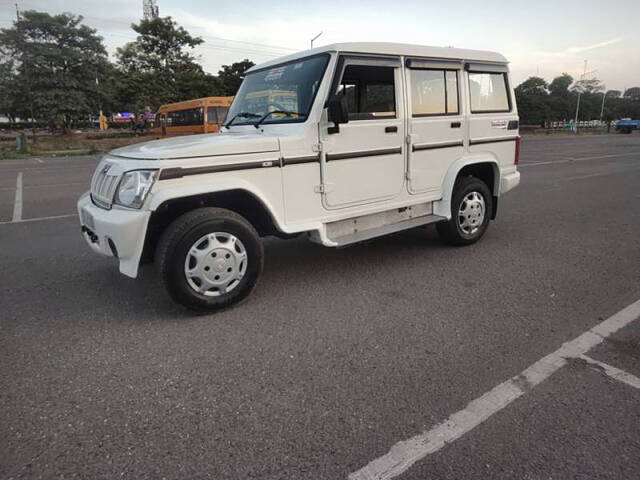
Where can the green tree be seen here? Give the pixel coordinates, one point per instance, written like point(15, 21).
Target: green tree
point(159, 66)
point(9, 90)
point(613, 94)
point(231, 76)
point(632, 94)
point(531, 96)
point(56, 61)
point(532, 86)
point(560, 85)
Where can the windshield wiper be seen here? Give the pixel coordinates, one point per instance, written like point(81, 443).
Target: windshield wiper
point(241, 115)
point(288, 113)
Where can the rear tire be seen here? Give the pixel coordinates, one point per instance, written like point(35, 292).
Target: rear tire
point(209, 259)
point(471, 207)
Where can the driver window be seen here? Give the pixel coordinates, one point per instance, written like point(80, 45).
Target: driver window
point(369, 92)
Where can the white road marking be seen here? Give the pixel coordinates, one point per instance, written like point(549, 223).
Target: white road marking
point(613, 372)
point(54, 217)
point(404, 454)
point(17, 203)
point(39, 160)
point(535, 164)
point(613, 155)
point(577, 159)
point(602, 174)
point(592, 175)
point(47, 185)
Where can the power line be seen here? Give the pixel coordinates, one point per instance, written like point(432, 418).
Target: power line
point(209, 46)
point(206, 46)
point(204, 36)
point(264, 50)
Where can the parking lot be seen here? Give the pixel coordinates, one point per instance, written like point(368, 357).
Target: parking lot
point(517, 357)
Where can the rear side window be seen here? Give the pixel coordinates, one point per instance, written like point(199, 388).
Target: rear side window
point(188, 117)
point(488, 92)
point(434, 92)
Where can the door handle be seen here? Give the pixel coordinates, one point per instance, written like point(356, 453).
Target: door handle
point(390, 129)
point(456, 124)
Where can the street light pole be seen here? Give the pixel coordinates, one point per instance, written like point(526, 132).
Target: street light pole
point(575, 122)
point(582, 77)
point(315, 38)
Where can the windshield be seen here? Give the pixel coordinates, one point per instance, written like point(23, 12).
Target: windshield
point(287, 90)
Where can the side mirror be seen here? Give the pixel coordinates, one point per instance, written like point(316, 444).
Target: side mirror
point(338, 113)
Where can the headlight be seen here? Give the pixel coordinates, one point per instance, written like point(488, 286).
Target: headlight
point(134, 187)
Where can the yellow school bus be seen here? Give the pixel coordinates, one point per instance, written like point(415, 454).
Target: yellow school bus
point(202, 115)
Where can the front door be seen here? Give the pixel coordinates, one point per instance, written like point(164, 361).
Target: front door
point(436, 122)
point(364, 161)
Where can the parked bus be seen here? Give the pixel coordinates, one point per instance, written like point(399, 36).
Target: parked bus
point(202, 115)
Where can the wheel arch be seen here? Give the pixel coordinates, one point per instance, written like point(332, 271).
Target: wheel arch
point(249, 204)
point(486, 168)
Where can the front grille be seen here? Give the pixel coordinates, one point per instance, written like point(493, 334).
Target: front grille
point(103, 186)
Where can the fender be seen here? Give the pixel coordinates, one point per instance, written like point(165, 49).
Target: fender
point(215, 184)
point(443, 207)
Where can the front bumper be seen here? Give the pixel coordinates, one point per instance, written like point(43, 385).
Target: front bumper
point(116, 233)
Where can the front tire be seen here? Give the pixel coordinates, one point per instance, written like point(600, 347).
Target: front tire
point(209, 259)
point(471, 207)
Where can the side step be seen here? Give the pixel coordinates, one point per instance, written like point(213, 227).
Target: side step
point(358, 229)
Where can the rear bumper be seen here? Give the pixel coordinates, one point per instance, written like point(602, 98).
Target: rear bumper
point(118, 233)
point(509, 181)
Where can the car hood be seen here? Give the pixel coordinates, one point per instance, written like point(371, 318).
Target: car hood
point(204, 145)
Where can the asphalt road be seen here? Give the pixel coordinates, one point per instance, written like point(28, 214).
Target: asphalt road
point(339, 354)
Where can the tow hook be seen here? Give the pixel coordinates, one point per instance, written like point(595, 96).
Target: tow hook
point(92, 236)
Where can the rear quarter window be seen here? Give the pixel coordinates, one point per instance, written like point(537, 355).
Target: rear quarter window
point(488, 92)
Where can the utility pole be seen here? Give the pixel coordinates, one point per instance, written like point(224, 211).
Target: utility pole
point(315, 38)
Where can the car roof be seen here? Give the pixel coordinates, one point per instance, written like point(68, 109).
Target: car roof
point(386, 48)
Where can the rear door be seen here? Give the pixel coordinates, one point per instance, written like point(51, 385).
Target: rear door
point(493, 119)
point(436, 122)
point(364, 161)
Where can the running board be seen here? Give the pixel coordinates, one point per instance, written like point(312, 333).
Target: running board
point(357, 229)
point(386, 229)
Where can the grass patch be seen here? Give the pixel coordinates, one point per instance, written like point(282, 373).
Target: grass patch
point(74, 144)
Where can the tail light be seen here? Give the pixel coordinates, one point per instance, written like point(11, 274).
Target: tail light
point(516, 157)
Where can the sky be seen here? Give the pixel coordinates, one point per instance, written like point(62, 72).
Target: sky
point(543, 38)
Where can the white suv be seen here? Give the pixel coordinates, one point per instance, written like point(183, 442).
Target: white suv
point(343, 143)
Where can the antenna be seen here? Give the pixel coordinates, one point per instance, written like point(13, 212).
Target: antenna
point(149, 9)
point(315, 38)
